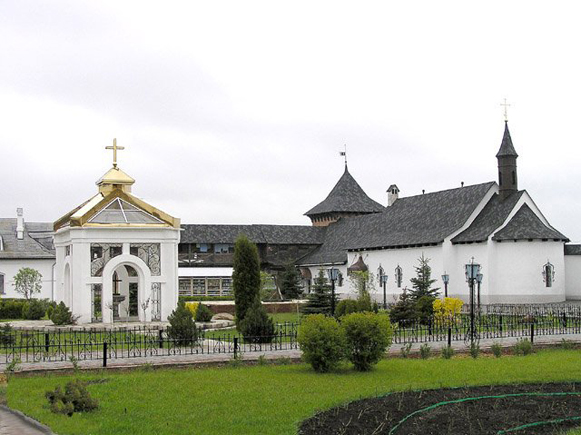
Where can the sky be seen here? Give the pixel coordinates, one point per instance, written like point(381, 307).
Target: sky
point(235, 112)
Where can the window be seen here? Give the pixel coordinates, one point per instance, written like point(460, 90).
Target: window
point(548, 274)
point(500, 178)
point(398, 276)
point(1, 284)
point(513, 177)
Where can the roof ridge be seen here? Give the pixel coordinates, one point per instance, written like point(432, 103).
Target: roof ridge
point(446, 190)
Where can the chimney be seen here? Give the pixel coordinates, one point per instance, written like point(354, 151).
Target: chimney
point(19, 224)
point(392, 194)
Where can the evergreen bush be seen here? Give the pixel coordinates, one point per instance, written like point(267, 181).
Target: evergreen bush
point(75, 398)
point(320, 298)
point(422, 283)
point(62, 315)
point(33, 309)
point(11, 308)
point(322, 342)
point(203, 313)
point(425, 309)
point(404, 311)
point(257, 326)
point(7, 336)
point(291, 286)
point(368, 336)
point(182, 328)
point(246, 276)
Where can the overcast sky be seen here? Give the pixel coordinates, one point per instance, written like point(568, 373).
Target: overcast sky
point(235, 112)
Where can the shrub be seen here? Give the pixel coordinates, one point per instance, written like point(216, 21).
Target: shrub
point(425, 309)
point(193, 307)
point(567, 344)
point(257, 326)
point(425, 351)
point(375, 307)
point(496, 350)
point(75, 398)
point(7, 337)
point(182, 327)
point(61, 315)
point(246, 276)
point(474, 349)
point(447, 311)
point(368, 336)
point(523, 347)
point(405, 350)
point(346, 306)
point(11, 308)
point(203, 313)
point(322, 342)
point(447, 352)
point(404, 311)
point(33, 310)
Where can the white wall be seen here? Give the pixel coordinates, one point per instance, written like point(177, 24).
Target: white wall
point(573, 277)
point(10, 267)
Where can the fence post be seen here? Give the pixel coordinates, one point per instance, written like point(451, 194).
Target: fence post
point(235, 347)
point(161, 339)
point(449, 336)
point(46, 342)
point(104, 354)
point(532, 332)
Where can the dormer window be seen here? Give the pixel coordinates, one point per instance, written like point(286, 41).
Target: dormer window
point(548, 274)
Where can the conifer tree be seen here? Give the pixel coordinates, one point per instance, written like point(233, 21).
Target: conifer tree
point(422, 283)
point(319, 300)
point(246, 276)
point(291, 283)
point(404, 311)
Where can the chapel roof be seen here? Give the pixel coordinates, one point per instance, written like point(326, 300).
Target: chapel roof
point(489, 219)
point(526, 225)
point(36, 241)
point(573, 249)
point(506, 147)
point(346, 197)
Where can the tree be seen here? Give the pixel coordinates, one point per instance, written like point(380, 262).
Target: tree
point(257, 326)
point(319, 300)
point(246, 276)
point(404, 311)
point(291, 283)
point(422, 283)
point(182, 327)
point(363, 282)
point(27, 282)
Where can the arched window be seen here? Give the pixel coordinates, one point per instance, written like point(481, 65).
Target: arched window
point(1, 244)
point(500, 178)
point(513, 177)
point(548, 274)
point(1, 283)
point(398, 276)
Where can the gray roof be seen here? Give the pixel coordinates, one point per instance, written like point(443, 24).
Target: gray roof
point(490, 218)
point(36, 243)
point(420, 220)
point(506, 147)
point(346, 197)
point(572, 249)
point(272, 234)
point(526, 225)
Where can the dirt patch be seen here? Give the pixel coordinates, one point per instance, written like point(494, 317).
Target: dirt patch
point(511, 409)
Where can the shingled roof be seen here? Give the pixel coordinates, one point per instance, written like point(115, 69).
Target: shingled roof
point(490, 218)
point(526, 225)
point(572, 249)
point(346, 197)
point(506, 147)
point(36, 241)
point(420, 220)
point(273, 234)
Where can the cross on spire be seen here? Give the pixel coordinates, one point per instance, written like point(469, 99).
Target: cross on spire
point(114, 148)
point(344, 154)
point(506, 105)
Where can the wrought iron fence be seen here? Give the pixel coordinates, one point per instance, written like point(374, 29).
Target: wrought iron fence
point(30, 346)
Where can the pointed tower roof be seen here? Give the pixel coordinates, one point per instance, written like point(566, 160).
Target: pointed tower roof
point(346, 197)
point(506, 148)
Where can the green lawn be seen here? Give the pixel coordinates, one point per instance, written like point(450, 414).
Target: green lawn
point(264, 399)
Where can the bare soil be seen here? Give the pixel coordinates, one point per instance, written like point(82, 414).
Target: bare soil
point(498, 409)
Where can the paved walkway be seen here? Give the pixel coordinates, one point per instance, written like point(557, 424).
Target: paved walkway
point(15, 423)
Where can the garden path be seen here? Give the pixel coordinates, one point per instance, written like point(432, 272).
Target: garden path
point(15, 423)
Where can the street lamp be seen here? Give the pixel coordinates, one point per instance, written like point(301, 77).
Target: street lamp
point(479, 281)
point(333, 275)
point(383, 281)
point(472, 272)
point(445, 280)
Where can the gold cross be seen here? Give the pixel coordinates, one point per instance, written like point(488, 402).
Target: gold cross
point(114, 148)
point(506, 105)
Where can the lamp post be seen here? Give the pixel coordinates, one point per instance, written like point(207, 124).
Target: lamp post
point(445, 280)
point(479, 281)
point(333, 274)
point(472, 272)
point(383, 281)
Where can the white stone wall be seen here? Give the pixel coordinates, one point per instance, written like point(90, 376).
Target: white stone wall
point(10, 267)
point(573, 277)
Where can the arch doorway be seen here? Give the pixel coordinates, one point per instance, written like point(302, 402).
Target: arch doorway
point(125, 285)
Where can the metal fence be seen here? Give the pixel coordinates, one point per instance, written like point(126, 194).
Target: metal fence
point(30, 346)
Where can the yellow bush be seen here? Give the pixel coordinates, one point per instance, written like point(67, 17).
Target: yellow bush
point(447, 309)
point(193, 307)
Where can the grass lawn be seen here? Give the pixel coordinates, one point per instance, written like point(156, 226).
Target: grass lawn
point(268, 399)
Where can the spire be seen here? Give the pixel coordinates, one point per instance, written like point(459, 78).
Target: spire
point(507, 173)
point(506, 147)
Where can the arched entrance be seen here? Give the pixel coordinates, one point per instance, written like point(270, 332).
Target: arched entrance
point(125, 285)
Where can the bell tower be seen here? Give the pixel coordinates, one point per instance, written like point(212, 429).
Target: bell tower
point(507, 173)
